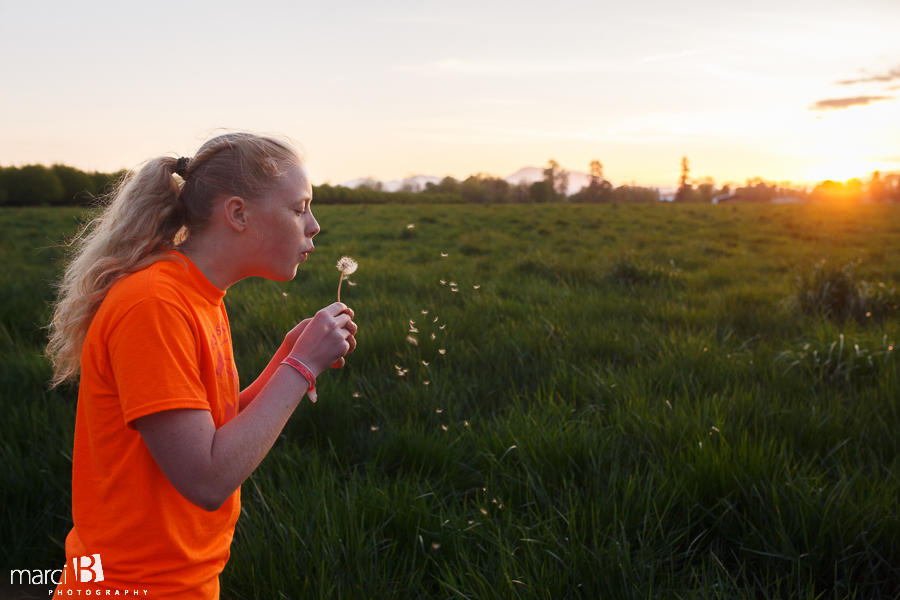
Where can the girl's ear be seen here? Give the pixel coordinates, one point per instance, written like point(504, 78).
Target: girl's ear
point(234, 213)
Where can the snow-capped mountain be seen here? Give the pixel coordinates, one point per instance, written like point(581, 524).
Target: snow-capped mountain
point(416, 183)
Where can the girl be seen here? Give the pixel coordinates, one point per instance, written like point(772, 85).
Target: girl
point(163, 435)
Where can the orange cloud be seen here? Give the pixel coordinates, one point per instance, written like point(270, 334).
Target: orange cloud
point(839, 103)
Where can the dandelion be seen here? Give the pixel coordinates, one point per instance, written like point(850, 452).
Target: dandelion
point(347, 266)
point(411, 225)
point(442, 351)
point(412, 340)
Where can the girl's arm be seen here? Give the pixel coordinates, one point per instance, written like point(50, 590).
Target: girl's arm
point(287, 345)
point(207, 465)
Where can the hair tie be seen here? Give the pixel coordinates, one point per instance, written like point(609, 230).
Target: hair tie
point(181, 166)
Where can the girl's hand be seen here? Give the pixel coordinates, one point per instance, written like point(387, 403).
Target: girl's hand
point(325, 338)
point(291, 338)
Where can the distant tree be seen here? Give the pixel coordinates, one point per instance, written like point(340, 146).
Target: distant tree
point(104, 183)
point(448, 185)
point(558, 178)
point(78, 186)
point(410, 186)
point(878, 191)
point(371, 184)
point(706, 190)
point(520, 193)
point(685, 191)
point(3, 194)
point(32, 185)
point(484, 189)
point(541, 192)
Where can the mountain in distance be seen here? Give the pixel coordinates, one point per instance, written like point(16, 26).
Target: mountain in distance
point(416, 183)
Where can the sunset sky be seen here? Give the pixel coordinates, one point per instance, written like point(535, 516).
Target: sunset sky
point(785, 90)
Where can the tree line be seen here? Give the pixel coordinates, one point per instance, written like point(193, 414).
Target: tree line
point(61, 185)
point(879, 188)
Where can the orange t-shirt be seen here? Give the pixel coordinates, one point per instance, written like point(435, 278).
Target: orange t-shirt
point(159, 341)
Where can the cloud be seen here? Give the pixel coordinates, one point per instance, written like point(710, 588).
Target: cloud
point(839, 103)
point(890, 76)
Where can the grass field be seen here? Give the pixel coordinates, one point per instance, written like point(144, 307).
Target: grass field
point(629, 405)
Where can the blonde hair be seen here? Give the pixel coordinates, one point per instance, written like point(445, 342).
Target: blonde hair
point(148, 214)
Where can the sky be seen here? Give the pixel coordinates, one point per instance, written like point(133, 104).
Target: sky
point(786, 90)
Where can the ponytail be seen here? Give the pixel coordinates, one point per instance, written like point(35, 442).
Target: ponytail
point(147, 215)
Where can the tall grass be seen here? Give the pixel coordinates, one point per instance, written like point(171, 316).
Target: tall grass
point(596, 426)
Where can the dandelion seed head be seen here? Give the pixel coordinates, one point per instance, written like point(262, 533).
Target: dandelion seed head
point(347, 265)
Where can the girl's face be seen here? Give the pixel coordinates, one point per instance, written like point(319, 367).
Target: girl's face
point(285, 226)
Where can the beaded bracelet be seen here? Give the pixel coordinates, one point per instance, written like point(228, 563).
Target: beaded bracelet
point(307, 374)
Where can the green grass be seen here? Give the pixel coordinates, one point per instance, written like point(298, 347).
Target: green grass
point(630, 405)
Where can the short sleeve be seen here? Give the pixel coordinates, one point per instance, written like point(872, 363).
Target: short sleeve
point(153, 352)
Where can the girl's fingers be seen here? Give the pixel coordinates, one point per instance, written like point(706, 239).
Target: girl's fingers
point(338, 364)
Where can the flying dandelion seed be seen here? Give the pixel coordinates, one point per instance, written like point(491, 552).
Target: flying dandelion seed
point(442, 326)
point(426, 382)
point(484, 511)
point(439, 410)
point(413, 330)
point(669, 404)
point(442, 351)
point(471, 521)
point(433, 336)
point(424, 362)
point(347, 266)
point(454, 290)
point(374, 428)
point(356, 394)
point(452, 284)
point(412, 340)
point(444, 427)
point(424, 312)
point(411, 225)
point(476, 286)
point(443, 282)
point(351, 283)
point(716, 429)
point(435, 320)
point(466, 423)
point(285, 294)
point(444, 255)
point(435, 546)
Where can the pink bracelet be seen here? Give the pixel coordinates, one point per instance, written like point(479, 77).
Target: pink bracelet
point(307, 374)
